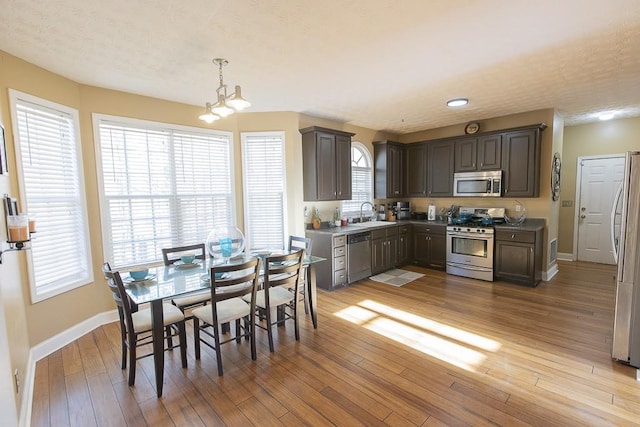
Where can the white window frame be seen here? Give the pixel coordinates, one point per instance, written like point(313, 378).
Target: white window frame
point(248, 200)
point(155, 126)
point(347, 207)
point(40, 292)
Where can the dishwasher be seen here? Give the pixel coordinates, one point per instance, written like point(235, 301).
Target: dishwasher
point(358, 256)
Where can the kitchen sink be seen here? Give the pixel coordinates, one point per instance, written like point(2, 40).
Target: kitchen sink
point(372, 224)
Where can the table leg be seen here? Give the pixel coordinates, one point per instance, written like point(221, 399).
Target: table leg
point(311, 294)
point(157, 322)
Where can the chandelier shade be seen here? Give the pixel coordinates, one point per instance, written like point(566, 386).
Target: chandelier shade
point(226, 104)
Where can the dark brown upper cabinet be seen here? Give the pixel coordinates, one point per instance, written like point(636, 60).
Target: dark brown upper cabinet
point(326, 164)
point(478, 154)
point(416, 170)
point(521, 163)
point(440, 169)
point(389, 164)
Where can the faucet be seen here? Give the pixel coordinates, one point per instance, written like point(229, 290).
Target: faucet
point(362, 206)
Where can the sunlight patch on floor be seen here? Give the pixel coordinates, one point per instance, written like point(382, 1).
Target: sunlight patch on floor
point(447, 343)
point(431, 325)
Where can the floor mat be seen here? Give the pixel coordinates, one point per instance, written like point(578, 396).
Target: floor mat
point(396, 277)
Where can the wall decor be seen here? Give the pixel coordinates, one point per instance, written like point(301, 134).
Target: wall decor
point(556, 166)
point(3, 153)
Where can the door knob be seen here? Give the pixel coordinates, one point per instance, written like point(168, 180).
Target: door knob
point(583, 216)
point(583, 209)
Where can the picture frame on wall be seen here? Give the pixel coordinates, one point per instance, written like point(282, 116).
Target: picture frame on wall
point(4, 169)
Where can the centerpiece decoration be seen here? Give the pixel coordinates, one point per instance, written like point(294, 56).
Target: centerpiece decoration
point(225, 242)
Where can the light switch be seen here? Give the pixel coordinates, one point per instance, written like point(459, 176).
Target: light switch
point(567, 203)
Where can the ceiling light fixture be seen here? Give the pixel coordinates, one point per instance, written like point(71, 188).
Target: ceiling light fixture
point(225, 104)
point(457, 102)
point(606, 116)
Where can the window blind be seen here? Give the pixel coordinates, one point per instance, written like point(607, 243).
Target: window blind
point(361, 180)
point(163, 187)
point(264, 189)
point(50, 170)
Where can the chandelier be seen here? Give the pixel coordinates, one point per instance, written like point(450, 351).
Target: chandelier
point(225, 104)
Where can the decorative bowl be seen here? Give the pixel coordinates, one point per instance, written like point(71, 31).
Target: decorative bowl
point(139, 274)
point(187, 258)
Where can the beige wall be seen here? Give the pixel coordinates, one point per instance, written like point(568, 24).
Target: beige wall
point(609, 137)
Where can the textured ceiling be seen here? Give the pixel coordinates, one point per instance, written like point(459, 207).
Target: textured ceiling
point(382, 64)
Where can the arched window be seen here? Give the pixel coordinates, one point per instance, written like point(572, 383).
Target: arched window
point(361, 180)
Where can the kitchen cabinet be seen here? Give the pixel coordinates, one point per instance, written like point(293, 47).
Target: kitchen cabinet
point(332, 247)
point(440, 169)
point(416, 170)
point(521, 163)
point(326, 164)
point(478, 154)
point(404, 245)
point(384, 249)
point(430, 246)
point(518, 256)
point(389, 160)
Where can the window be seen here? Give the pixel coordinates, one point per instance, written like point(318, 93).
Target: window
point(49, 163)
point(264, 189)
point(361, 180)
point(161, 186)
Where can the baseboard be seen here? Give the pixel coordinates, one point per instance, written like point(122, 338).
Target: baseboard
point(563, 256)
point(47, 347)
point(550, 273)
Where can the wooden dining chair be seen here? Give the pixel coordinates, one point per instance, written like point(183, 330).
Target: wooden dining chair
point(281, 273)
point(230, 283)
point(135, 324)
point(172, 255)
point(296, 243)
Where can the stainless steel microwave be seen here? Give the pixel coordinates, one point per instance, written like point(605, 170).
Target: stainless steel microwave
point(477, 184)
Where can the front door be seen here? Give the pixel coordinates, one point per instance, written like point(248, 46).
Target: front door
point(599, 180)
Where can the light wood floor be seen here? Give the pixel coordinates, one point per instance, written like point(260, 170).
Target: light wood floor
point(442, 350)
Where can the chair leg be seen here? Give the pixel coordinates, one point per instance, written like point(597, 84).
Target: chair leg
point(251, 325)
point(196, 337)
point(132, 359)
point(169, 337)
point(238, 337)
point(182, 337)
point(267, 313)
point(216, 340)
point(306, 303)
point(247, 328)
point(294, 309)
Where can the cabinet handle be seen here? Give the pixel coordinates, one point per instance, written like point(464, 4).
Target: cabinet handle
point(513, 236)
point(481, 164)
point(531, 249)
point(473, 165)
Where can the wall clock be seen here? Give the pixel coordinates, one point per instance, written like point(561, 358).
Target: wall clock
point(556, 166)
point(471, 128)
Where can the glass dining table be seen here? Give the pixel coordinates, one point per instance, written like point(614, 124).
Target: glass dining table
point(166, 282)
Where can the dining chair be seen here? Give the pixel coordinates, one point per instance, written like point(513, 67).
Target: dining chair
point(230, 283)
point(135, 324)
point(295, 243)
point(281, 273)
point(194, 299)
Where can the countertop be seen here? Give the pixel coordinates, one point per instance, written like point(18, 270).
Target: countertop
point(352, 229)
point(530, 224)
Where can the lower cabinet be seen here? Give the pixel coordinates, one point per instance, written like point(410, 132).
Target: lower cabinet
point(518, 256)
point(404, 245)
point(332, 247)
point(430, 246)
point(384, 249)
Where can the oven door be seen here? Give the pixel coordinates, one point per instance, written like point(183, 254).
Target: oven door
point(470, 249)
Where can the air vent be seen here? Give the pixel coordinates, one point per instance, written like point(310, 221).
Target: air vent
point(553, 251)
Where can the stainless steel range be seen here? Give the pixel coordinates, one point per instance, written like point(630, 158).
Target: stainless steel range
point(470, 243)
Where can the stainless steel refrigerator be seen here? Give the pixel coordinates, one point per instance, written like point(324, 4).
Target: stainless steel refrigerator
point(626, 248)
